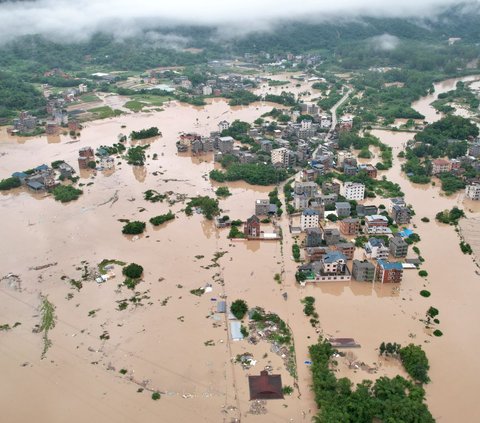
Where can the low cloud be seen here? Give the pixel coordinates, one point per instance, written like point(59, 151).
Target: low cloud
point(70, 21)
point(384, 42)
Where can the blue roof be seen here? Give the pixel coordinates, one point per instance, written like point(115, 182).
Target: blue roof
point(406, 233)
point(310, 212)
point(42, 167)
point(390, 266)
point(19, 175)
point(35, 185)
point(375, 242)
point(235, 330)
point(334, 256)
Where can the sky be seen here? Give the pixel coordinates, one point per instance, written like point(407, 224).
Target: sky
point(74, 20)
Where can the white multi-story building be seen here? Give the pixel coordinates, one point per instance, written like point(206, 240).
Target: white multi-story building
point(207, 90)
point(309, 219)
point(282, 157)
point(223, 125)
point(375, 249)
point(353, 191)
point(473, 191)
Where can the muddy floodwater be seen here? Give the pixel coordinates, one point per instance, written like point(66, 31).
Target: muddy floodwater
point(104, 363)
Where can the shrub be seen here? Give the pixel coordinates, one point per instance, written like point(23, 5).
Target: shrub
point(239, 308)
point(223, 192)
point(287, 390)
point(415, 362)
point(66, 193)
point(158, 220)
point(423, 273)
point(9, 183)
point(437, 332)
point(425, 293)
point(133, 271)
point(156, 396)
point(296, 252)
point(425, 219)
point(133, 228)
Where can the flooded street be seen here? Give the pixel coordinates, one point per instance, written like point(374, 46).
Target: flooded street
point(167, 341)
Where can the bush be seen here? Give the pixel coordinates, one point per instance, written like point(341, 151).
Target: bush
point(134, 228)
point(239, 308)
point(223, 192)
point(296, 252)
point(158, 220)
point(437, 332)
point(287, 390)
point(423, 273)
point(91, 164)
point(9, 183)
point(209, 206)
point(133, 271)
point(145, 133)
point(66, 193)
point(156, 396)
point(415, 362)
point(425, 219)
point(425, 293)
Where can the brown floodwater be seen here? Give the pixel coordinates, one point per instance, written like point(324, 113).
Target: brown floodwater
point(165, 343)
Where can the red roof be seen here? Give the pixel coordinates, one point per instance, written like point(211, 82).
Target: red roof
point(265, 386)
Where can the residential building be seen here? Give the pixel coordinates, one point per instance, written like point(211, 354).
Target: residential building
point(398, 247)
point(369, 169)
point(300, 201)
point(313, 237)
point(309, 175)
point(388, 272)
point(474, 149)
point(363, 210)
point(266, 145)
point(473, 191)
point(353, 191)
point(343, 209)
point(282, 157)
point(346, 248)
point(251, 228)
point(309, 219)
point(376, 224)
point(350, 170)
point(85, 157)
point(441, 166)
point(310, 189)
point(399, 201)
point(363, 271)
point(331, 236)
point(223, 126)
point(315, 253)
point(333, 268)
point(207, 90)
point(330, 188)
point(401, 214)
point(376, 249)
point(262, 207)
point(225, 144)
point(349, 226)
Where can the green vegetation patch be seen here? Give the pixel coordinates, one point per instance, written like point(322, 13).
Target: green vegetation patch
point(66, 193)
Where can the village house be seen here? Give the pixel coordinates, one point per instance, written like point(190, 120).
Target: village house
point(309, 219)
point(224, 144)
point(400, 214)
point(369, 169)
point(441, 166)
point(343, 209)
point(265, 386)
point(363, 210)
point(24, 123)
point(310, 189)
point(315, 253)
point(313, 237)
point(331, 187)
point(398, 201)
point(349, 226)
point(333, 268)
point(472, 191)
point(363, 271)
point(398, 247)
point(346, 248)
point(387, 272)
point(309, 175)
point(376, 224)
point(266, 145)
point(331, 236)
point(283, 157)
point(251, 228)
point(350, 170)
point(353, 191)
point(85, 157)
point(376, 249)
point(264, 208)
point(223, 126)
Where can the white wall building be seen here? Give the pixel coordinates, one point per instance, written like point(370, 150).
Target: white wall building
point(353, 191)
point(309, 219)
point(473, 191)
point(223, 125)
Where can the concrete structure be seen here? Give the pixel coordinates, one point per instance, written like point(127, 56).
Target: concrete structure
point(387, 272)
point(376, 224)
point(315, 253)
point(353, 191)
point(441, 166)
point(363, 271)
point(349, 226)
point(313, 238)
point(262, 207)
point(346, 248)
point(310, 189)
point(331, 236)
point(282, 157)
point(369, 169)
point(398, 247)
point(86, 156)
point(251, 228)
point(343, 209)
point(223, 126)
point(473, 191)
point(376, 249)
point(363, 210)
point(225, 144)
point(401, 214)
point(309, 219)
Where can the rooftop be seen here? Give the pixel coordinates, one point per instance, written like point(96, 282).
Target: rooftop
point(389, 265)
point(334, 256)
point(265, 386)
point(310, 212)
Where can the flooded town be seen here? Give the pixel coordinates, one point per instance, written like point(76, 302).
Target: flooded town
point(264, 239)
